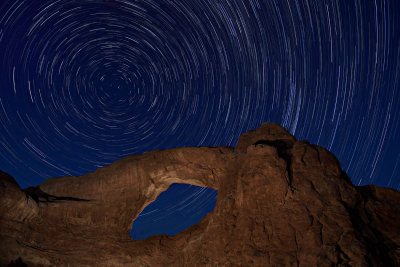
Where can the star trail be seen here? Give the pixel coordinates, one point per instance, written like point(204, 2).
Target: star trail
point(84, 83)
point(174, 210)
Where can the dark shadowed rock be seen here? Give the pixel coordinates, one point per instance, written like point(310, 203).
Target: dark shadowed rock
point(280, 202)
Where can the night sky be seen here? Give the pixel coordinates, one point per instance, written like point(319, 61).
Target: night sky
point(84, 83)
point(176, 209)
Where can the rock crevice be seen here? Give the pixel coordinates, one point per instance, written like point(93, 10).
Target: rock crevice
point(38, 195)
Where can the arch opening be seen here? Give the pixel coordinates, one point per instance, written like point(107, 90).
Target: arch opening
point(176, 209)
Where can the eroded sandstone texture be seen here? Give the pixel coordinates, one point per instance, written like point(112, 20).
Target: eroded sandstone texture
point(280, 202)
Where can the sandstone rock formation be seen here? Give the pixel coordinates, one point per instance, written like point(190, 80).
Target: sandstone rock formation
point(281, 202)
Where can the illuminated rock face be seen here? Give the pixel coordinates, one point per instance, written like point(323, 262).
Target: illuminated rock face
point(280, 202)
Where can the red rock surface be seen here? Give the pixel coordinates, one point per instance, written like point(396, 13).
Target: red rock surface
point(281, 202)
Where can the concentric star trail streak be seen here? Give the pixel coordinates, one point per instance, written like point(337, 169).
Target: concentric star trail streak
point(83, 83)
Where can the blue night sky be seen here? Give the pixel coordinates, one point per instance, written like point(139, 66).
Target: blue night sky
point(178, 208)
point(84, 83)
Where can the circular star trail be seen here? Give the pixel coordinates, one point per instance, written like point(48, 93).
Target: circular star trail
point(83, 83)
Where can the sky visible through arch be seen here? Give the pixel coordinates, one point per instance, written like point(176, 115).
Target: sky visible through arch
point(83, 83)
point(174, 210)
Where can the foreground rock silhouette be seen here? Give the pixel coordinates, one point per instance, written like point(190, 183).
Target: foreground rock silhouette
point(280, 202)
